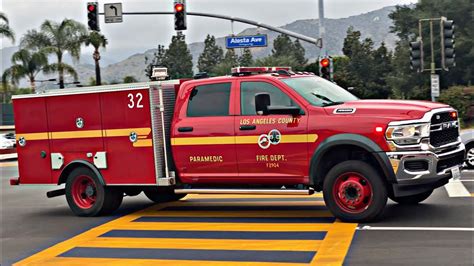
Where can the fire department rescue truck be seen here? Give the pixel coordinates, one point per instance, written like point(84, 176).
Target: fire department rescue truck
point(257, 131)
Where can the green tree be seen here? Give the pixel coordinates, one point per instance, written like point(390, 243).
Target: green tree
point(289, 51)
point(299, 53)
point(5, 30)
point(178, 58)
point(211, 56)
point(97, 40)
point(405, 25)
point(367, 69)
point(230, 60)
point(277, 61)
point(157, 60)
point(26, 64)
point(58, 38)
point(129, 79)
point(283, 46)
point(246, 59)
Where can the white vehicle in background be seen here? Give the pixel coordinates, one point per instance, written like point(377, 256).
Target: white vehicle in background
point(7, 146)
point(467, 138)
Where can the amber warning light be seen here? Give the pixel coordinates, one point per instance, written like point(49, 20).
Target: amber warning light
point(454, 115)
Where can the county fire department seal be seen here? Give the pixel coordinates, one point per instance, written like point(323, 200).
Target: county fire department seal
point(272, 138)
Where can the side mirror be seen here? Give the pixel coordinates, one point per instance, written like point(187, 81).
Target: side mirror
point(262, 102)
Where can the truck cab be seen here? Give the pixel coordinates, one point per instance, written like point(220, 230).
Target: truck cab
point(268, 131)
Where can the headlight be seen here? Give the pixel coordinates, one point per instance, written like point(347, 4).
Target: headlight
point(409, 134)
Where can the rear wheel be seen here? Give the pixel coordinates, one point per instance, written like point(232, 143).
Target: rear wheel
point(162, 194)
point(470, 156)
point(86, 195)
point(413, 199)
point(354, 192)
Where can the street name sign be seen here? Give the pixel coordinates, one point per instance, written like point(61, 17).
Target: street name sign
point(246, 41)
point(113, 13)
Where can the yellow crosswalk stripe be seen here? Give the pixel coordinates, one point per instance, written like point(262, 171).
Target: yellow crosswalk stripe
point(143, 262)
point(183, 243)
point(266, 213)
point(257, 227)
point(331, 250)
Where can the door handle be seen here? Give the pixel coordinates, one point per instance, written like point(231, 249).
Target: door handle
point(248, 127)
point(185, 129)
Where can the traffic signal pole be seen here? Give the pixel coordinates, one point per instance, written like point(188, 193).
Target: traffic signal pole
point(298, 36)
point(447, 51)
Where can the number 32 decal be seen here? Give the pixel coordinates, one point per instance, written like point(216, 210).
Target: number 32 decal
point(135, 98)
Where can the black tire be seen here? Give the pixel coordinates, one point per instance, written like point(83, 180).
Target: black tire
point(413, 199)
point(102, 200)
point(372, 206)
point(161, 194)
point(469, 153)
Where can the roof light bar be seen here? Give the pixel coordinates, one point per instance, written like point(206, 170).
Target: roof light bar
point(242, 70)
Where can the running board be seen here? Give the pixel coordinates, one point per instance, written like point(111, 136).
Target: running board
point(245, 191)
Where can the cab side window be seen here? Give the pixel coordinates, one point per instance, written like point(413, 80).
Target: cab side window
point(249, 89)
point(209, 100)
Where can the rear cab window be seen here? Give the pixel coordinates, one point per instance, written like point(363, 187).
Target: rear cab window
point(209, 100)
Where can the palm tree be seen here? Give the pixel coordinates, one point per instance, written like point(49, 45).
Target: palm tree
point(5, 30)
point(97, 40)
point(26, 65)
point(58, 38)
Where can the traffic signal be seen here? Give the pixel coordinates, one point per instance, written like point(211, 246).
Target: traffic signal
point(326, 68)
point(93, 16)
point(447, 44)
point(179, 15)
point(416, 56)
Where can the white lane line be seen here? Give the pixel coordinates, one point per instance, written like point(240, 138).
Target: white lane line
point(467, 180)
point(456, 189)
point(459, 229)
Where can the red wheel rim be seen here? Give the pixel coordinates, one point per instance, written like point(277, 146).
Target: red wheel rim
point(352, 192)
point(84, 191)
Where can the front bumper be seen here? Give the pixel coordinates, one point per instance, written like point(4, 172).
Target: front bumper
point(419, 167)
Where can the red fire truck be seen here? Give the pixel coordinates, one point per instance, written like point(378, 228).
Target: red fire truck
point(258, 131)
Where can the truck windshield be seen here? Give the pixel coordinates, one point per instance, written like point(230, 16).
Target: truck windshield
point(318, 91)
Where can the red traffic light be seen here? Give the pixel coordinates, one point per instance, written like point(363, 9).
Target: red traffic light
point(91, 8)
point(325, 62)
point(179, 7)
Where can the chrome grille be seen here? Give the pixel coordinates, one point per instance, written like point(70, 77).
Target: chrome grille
point(444, 129)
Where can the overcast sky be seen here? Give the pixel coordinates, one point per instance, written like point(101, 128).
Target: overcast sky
point(136, 34)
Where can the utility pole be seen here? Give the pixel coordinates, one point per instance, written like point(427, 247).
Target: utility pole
point(322, 30)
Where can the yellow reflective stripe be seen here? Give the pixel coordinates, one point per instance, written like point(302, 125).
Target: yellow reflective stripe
point(298, 138)
point(76, 134)
point(202, 141)
point(33, 136)
point(143, 143)
point(123, 132)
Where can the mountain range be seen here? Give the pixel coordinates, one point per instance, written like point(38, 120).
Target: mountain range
point(375, 25)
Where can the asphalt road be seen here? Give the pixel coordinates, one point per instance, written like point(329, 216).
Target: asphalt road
point(36, 229)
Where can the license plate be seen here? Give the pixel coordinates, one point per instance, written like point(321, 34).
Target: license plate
point(456, 173)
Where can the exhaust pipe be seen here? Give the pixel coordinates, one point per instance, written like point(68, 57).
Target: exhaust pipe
point(55, 193)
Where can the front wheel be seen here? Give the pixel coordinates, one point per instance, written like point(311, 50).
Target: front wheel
point(354, 192)
point(413, 199)
point(470, 156)
point(86, 195)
